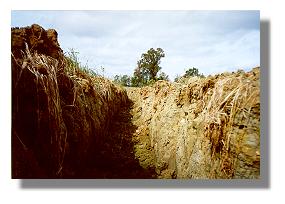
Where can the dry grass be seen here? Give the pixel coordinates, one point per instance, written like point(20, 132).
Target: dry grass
point(49, 77)
point(231, 95)
point(203, 127)
point(45, 69)
point(89, 80)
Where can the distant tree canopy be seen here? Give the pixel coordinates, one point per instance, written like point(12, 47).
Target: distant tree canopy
point(191, 72)
point(146, 71)
point(163, 76)
point(148, 67)
point(124, 80)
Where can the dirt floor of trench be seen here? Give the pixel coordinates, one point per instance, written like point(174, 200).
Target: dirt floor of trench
point(124, 153)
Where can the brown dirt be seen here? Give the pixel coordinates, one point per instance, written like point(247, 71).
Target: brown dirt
point(37, 39)
point(68, 124)
point(117, 156)
point(201, 128)
point(60, 114)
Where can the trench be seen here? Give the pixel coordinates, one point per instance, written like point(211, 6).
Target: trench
point(54, 137)
point(117, 157)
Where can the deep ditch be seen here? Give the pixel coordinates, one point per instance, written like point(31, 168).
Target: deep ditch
point(68, 124)
point(116, 157)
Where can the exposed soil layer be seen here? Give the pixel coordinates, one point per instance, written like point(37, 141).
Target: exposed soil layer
point(202, 128)
point(37, 39)
point(68, 124)
point(116, 158)
point(60, 113)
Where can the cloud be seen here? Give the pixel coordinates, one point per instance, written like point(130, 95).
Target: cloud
point(213, 41)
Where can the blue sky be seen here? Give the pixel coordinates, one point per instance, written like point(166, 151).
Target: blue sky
point(213, 41)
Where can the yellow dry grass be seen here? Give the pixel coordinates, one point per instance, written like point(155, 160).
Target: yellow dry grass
point(231, 95)
point(45, 71)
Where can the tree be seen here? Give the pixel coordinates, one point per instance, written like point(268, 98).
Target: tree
point(163, 76)
point(135, 81)
point(191, 72)
point(148, 66)
point(116, 78)
point(177, 77)
point(124, 80)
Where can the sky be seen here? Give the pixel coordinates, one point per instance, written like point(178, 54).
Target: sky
point(212, 41)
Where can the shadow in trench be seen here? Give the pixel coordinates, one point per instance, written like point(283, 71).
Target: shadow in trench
point(115, 158)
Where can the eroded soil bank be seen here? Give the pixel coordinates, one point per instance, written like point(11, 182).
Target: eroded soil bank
point(60, 113)
point(68, 124)
point(200, 128)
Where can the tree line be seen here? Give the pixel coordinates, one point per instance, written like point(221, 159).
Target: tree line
point(148, 71)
